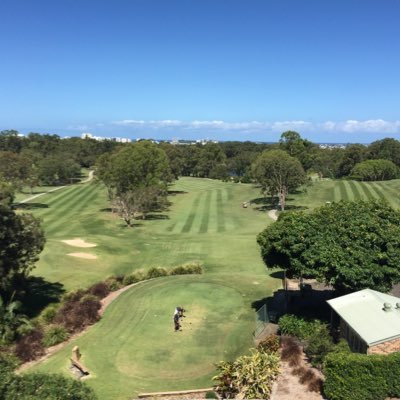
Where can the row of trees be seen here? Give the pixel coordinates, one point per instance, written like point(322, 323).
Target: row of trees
point(212, 160)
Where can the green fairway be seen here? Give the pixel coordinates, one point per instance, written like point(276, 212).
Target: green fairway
point(134, 347)
point(335, 190)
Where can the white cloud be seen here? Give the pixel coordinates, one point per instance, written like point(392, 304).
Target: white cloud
point(340, 129)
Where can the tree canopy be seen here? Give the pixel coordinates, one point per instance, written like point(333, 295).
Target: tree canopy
point(278, 173)
point(136, 177)
point(21, 240)
point(375, 170)
point(349, 245)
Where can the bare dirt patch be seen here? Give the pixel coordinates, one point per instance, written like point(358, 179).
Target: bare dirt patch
point(78, 242)
point(87, 256)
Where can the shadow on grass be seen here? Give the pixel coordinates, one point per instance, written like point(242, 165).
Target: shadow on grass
point(107, 209)
point(264, 203)
point(40, 293)
point(175, 192)
point(152, 217)
point(30, 206)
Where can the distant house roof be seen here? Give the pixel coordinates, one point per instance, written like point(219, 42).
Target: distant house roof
point(364, 312)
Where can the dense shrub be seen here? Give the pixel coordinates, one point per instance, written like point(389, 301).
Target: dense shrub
point(189, 268)
point(361, 377)
point(53, 335)
point(319, 344)
point(48, 314)
point(375, 170)
point(30, 346)
point(115, 282)
point(46, 387)
point(211, 395)
point(100, 290)
point(156, 272)
point(75, 315)
point(249, 377)
point(299, 327)
point(135, 277)
point(269, 345)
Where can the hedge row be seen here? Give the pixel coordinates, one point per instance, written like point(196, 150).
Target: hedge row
point(361, 377)
point(39, 386)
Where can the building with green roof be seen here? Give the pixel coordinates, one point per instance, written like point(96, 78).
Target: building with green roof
point(369, 321)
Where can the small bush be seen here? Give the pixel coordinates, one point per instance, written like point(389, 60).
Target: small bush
point(53, 335)
point(179, 270)
point(193, 268)
point(75, 315)
point(299, 327)
point(319, 344)
point(73, 296)
point(30, 346)
point(248, 376)
point(114, 282)
point(156, 272)
point(269, 345)
point(48, 314)
point(100, 290)
point(189, 268)
point(211, 395)
point(135, 277)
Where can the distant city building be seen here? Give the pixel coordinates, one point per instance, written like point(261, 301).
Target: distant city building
point(87, 135)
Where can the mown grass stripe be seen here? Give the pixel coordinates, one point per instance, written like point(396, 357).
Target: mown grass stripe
point(190, 218)
point(342, 190)
point(349, 191)
point(220, 212)
point(62, 196)
point(354, 186)
point(368, 191)
point(68, 210)
point(377, 190)
point(206, 213)
point(390, 195)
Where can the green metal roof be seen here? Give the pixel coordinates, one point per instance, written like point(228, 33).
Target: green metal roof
point(364, 312)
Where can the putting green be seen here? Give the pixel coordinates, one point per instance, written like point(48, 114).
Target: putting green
point(135, 348)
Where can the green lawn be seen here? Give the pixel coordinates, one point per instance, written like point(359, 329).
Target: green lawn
point(335, 190)
point(134, 348)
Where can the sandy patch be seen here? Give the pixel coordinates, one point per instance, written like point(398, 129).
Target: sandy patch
point(78, 242)
point(88, 256)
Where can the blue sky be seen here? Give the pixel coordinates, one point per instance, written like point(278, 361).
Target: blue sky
point(222, 69)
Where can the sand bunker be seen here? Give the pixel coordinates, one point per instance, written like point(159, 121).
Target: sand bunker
point(78, 242)
point(88, 256)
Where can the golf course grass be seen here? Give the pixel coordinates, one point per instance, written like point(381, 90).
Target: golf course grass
point(134, 347)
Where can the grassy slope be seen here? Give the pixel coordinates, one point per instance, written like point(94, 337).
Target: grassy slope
point(134, 347)
point(331, 190)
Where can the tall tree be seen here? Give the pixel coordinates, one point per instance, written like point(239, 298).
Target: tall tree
point(387, 149)
point(278, 174)
point(350, 245)
point(136, 177)
point(21, 241)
